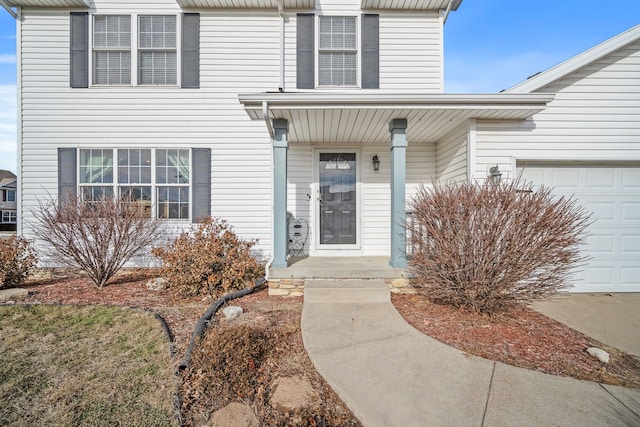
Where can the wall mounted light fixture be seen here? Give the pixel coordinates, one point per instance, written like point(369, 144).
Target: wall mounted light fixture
point(376, 163)
point(495, 175)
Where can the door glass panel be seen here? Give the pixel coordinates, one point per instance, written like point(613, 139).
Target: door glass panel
point(337, 198)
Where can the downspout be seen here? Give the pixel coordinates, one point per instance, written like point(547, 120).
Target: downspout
point(446, 13)
point(8, 9)
point(281, 14)
point(267, 121)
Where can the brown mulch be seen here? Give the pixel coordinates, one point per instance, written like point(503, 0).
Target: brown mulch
point(521, 337)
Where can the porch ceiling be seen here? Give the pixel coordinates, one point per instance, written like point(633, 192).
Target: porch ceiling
point(48, 3)
point(364, 118)
point(410, 4)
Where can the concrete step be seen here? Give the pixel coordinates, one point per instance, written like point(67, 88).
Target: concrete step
point(340, 291)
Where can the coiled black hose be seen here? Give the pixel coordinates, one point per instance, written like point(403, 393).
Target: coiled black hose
point(203, 322)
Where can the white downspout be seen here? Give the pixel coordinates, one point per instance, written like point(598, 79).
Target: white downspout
point(446, 13)
point(281, 14)
point(8, 9)
point(267, 121)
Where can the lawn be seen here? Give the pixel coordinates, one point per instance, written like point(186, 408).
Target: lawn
point(84, 366)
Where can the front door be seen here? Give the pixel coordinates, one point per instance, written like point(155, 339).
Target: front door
point(337, 198)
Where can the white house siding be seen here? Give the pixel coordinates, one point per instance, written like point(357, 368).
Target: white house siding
point(451, 155)
point(239, 53)
point(587, 143)
point(595, 116)
point(375, 189)
point(407, 64)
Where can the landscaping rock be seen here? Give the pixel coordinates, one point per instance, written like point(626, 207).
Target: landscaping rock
point(234, 415)
point(156, 284)
point(232, 311)
point(292, 393)
point(599, 354)
point(9, 294)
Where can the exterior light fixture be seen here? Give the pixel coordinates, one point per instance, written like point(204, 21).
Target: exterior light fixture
point(495, 175)
point(376, 163)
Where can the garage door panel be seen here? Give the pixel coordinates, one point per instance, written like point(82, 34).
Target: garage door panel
point(612, 196)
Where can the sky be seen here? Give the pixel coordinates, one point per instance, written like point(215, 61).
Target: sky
point(490, 45)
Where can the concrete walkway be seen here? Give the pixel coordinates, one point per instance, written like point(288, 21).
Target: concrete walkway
point(389, 374)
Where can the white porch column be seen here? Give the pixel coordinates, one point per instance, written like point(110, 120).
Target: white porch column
point(398, 130)
point(280, 146)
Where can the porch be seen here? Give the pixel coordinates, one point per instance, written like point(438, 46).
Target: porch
point(363, 267)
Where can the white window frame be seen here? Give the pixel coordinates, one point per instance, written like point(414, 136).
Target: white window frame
point(10, 192)
point(318, 50)
point(116, 185)
point(140, 50)
point(12, 217)
point(135, 51)
point(95, 49)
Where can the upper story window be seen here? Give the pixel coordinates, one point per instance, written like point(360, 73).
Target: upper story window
point(128, 50)
point(157, 55)
point(344, 52)
point(112, 50)
point(10, 195)
point(337, 54)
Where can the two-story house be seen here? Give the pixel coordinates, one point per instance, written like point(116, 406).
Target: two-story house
point(327, 112)
point(8, 206)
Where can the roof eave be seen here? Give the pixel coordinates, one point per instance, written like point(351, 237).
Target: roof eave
point(57, 4)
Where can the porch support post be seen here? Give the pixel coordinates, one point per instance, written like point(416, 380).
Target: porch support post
point(280, 146)
point(398, 130)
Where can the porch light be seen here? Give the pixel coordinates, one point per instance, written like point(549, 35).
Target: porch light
point(376, 163)
point(495, 175)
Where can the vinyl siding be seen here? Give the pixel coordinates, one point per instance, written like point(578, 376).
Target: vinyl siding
point(451, 155)
point(239, 53)
point(595, 116)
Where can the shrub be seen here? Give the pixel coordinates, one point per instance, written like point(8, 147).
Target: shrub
point(209, 260)
point(98, 237)
point(485, 247)
point(17, 257)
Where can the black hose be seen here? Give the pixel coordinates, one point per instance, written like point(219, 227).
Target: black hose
point(203, 322)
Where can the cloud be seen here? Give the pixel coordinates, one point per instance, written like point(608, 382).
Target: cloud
point(8, 143)
point(7, 59)
point(478, 73)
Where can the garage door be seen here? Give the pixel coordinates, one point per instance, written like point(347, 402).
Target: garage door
point(612, 194)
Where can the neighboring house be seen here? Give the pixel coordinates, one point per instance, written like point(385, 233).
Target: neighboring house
point(327, 111)
point(8, 207)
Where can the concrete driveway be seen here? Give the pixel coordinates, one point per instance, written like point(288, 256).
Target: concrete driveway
point(613, 319)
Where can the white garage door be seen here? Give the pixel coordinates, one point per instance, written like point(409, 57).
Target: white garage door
point(612, 195)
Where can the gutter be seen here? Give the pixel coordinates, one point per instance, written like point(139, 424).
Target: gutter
point(281, 14)
point(6, 7)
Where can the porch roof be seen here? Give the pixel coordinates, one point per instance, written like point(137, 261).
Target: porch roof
point(356, 118)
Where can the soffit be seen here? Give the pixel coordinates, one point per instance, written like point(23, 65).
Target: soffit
point(410, 4)
point(246, 4)
point(48, 3)
point(365, 119)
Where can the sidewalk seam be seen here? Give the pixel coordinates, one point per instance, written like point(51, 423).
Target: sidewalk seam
point(618, 400)
point(360, 344)
point(486, 404)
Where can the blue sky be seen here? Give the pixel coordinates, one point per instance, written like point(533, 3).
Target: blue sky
point(490, 45)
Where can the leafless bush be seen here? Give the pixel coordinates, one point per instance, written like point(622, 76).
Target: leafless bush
point(98, 237)
point(485, 247)
point(17, 257)
point(209, 260)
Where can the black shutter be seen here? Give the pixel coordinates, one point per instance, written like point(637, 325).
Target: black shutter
point(305, 70)
point(201, 184)
point(67, 173)
point(191, 50)
point(79, 58)
point(370, 51)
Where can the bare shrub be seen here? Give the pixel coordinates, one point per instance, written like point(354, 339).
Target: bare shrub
point(17, 257)
point(209, 260)
point(98, 237)
point(485, 247)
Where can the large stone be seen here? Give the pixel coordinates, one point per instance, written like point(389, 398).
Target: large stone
point(234, 415)
point(13, 293)
point(156, 284)
point(292, 393)
point(400, 283)
point(599, 354)
point(232, 311)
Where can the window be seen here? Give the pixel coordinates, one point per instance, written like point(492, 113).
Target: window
point(338, 51)
point(151, 177)
point(157, 58)
point(10, 195)
point(10, 217)
point(112, 50)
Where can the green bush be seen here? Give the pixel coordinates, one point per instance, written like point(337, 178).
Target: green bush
point(17, 257)
point(209, 260)
point(486, 247)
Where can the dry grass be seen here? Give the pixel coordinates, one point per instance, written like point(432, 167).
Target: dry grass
point(83, 366)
